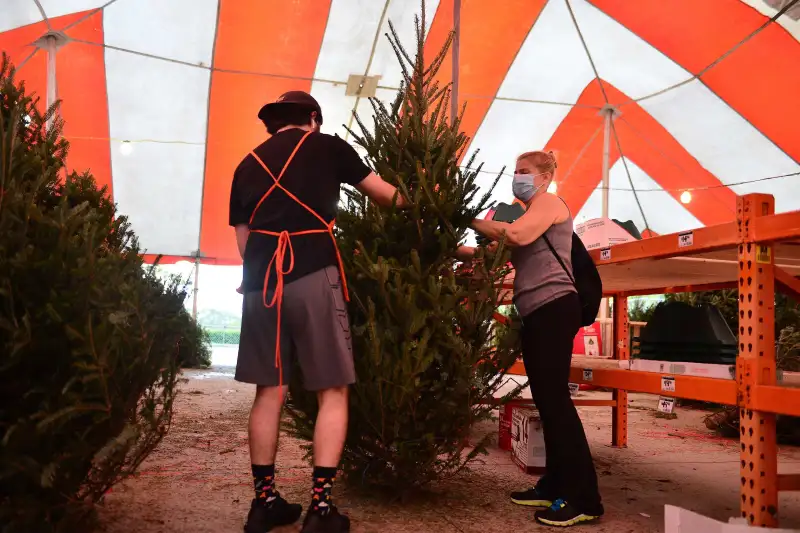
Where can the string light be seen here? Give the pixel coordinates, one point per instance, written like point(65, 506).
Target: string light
point(686, 197)
point(126, 148)
point(552, 188)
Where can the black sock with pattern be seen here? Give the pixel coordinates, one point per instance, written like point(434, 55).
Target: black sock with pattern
point(264, 482)
point(321, 499)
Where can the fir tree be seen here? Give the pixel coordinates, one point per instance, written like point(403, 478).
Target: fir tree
point(427, 361)
point(90, 340)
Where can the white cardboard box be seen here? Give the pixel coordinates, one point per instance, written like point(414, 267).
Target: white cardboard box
point(703, 370)
point(527, 440)
point(677, 520)
point(601, 233)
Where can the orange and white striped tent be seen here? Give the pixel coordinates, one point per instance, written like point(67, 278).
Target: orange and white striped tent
point(701, 98)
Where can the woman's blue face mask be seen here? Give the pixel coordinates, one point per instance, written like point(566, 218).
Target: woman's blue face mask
point(524, 188)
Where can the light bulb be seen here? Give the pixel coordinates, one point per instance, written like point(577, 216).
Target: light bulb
point(552, 188)
point(126, 148)
point(686, 197)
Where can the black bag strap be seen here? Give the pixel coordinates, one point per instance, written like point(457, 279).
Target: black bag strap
point(560, 262)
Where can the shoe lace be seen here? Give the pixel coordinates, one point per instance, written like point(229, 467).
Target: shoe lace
point(558, 504)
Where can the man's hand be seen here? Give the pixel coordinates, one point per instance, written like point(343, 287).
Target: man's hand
point(465, 253)
point(381, 192)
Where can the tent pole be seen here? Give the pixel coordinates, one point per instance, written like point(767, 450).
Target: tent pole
point(456, 49)
point(607, 116)
point(196, 287)
point(51, 46)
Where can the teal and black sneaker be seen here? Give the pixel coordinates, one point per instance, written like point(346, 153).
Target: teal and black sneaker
point(562, 514)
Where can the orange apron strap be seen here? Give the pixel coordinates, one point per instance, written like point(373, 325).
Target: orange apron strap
point(271, 175)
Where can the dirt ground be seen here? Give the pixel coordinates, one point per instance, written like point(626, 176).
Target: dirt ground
point(198, 480)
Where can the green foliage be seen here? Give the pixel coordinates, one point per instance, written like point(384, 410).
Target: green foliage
point(422, 329)
point(640, 310)
point(90, 340)
point(725, 420)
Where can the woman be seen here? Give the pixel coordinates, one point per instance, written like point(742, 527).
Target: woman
point(547, 300)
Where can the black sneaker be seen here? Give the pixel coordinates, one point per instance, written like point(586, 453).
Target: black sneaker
point(332, 522)
point(531, 498)
point(562, 514)
point(264, 518)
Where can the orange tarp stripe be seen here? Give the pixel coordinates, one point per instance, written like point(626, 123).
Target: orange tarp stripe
point(81, 78)
point(263, 36)
point(490, 39)
point(17, 45)
point(81, 74)
point(760, 80)
point(645, 142)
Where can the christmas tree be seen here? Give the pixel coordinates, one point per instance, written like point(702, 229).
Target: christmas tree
point(90, 339)
point(426, 353)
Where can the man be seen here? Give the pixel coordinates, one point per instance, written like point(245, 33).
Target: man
point(284, 199)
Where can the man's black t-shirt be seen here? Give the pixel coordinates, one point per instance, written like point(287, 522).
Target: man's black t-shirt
point(314, 176)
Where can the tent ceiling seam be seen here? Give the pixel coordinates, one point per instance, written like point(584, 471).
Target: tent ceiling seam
point(628, 172)
point(681, 189)
point(675, 164)
point(311, 78)
point(89, 15)
point(605, 97)
point(719, 59)
point(581, 153)
point(369, 64)
point(44, 15)
point(494, 98)
point(586, 49)
point(28, 58)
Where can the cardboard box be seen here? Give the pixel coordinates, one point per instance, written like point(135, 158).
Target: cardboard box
point(504, 432)
point(527, 441)
point(703, 370)
point(588, 341)
point(506, 420)
point(601, 233)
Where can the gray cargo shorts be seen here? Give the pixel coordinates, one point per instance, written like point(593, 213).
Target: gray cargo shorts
point(315, 332)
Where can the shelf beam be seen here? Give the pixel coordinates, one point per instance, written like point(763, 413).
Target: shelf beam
point(703, 240)
point(688, 387)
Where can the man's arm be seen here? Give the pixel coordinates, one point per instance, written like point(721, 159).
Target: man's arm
point(380, 192)
point(242, 233)
point(465, 253)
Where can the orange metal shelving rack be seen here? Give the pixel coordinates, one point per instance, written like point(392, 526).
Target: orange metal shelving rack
point(758, 253)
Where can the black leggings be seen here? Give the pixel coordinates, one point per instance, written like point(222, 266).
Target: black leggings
point(547, 338)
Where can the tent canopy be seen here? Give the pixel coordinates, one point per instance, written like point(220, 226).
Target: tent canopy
point(160, 98)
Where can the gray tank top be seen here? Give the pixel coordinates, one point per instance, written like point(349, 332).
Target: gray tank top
point(538, 277)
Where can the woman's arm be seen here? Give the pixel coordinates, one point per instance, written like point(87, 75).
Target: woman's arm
point(547, 210)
